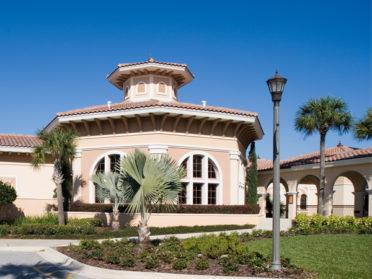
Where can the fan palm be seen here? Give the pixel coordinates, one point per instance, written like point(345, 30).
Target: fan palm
point(60, 145)
point(148, 182)
point(363, 129)
point(109, 186)
point(322, 115)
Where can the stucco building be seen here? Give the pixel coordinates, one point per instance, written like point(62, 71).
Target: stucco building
point(348, 188)
point(210, 142)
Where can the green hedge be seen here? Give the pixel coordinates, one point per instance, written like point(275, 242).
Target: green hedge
point(195, 209)
point(46, 229)
point(316, 223)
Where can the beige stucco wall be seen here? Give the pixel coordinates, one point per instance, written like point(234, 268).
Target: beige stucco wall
point(34, 187)
point(221, 150)
point(170, 220)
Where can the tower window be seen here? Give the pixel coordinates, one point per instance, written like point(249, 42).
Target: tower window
point(141, 87)
point(161, 87)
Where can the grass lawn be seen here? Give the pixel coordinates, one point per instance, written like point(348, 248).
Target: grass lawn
point(332, 256)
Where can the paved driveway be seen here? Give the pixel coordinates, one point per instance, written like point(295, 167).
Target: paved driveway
point(19, 264)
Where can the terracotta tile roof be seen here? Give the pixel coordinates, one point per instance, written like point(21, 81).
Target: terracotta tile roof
point(148, 62)
point(11, 140)
point(332, 154)
point(127, 105)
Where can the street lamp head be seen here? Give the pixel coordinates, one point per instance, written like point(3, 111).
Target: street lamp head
point(276, 86)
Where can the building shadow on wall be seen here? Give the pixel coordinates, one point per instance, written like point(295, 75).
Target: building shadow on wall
point(9, 212)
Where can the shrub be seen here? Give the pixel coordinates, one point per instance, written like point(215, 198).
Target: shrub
point(4, 229)
point(127, 260)
point(151, 261)
point(98, 253)
point(88, 244)
point(332, 224)
point(180, 264)
point(257, 262)
point(7, 193)
point(112, 257)
point(201, 264)
point(50, 219)
point(213, 246)
point(95, 222)
point(229, 264)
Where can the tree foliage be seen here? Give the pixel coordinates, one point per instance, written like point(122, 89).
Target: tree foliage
point(251, 177)
point(7, 193)
point(149, 181)
point(60, 145)
point(322, 115)
point(363, 128)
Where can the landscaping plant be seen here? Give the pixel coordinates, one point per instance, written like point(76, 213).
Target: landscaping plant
point(7, 193)
point(110, 187)
point(251, 177)
point(148, 182)
point(60, 145)
point(322, 115)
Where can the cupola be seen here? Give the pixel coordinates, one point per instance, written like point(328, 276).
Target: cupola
point(150, 80)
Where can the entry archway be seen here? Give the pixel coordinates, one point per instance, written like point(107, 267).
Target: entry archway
point(349, 195)
point(307, 190)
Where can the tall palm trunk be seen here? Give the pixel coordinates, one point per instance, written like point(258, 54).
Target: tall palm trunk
point(143, 231)
point(321, 193)
point(58, 179)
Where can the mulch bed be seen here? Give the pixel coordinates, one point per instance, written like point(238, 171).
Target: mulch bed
point(214, 268)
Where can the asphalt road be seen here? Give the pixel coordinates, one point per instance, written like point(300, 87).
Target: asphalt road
point(14, 265)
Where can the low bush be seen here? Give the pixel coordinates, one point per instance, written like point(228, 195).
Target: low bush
point(46, 229)
point(206, 209)
point(201, 264)
point(180, 264)
point(316, 223)
point(229, 264)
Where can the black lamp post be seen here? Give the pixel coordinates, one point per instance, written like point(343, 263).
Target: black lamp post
point(276, 86)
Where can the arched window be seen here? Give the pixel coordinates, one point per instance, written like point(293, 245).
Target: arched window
point(107, 162)
point(202, 184)
point(141, 88)
point(303, 201)
point(161, 88)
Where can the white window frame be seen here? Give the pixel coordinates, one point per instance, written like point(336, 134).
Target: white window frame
point(92, 188)
point(204, 180)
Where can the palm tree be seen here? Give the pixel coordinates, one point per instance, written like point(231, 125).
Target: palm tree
point(60, 145)
point(109, 186)
point(363, 128)
point(322, 115)
point(148, 182)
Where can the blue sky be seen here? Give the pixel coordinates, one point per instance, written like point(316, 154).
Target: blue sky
point(54, 56)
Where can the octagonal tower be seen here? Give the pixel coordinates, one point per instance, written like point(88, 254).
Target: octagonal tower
point(150, 80)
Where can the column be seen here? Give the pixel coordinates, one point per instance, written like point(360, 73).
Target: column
point(359, 203)
point(76, 176)
point(369, 192)
point(234, 177)
point(262, 203)
point(291, 202)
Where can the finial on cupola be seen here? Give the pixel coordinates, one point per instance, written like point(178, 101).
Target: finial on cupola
point(151, 59)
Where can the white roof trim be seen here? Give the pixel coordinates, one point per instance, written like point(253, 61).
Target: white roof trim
point(16, 149)
point(157, 110)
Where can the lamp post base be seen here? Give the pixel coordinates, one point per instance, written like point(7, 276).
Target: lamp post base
point(275, 266)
